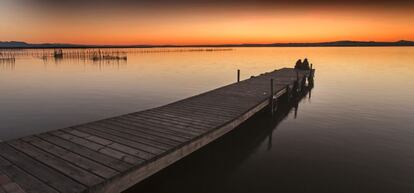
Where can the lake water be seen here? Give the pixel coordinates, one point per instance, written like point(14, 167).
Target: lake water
point(355, 133)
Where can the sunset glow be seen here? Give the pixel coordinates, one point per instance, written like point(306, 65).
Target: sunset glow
point(202, 24)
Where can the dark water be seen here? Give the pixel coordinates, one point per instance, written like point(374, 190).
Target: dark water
point(355, 134)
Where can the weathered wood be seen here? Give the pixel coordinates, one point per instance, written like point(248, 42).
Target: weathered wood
point(46, 174)
point(167, 116)
point(100, 148)
point(131, 130)
point(106, 160)
point(175, 120)
point(146, 151)
point(109, 146)
point(58, 164)
point(76, 159)
point(156, 127)
point(150, 130)
point(117, 131)
point(28, 182)
point(184, 130)
point(113, 154)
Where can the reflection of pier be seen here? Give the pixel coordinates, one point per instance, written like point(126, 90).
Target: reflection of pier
point(113, 154)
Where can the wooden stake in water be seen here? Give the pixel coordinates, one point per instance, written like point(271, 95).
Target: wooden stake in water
point(238, 75)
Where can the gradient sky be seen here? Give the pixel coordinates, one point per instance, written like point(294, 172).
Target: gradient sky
point(204, 22)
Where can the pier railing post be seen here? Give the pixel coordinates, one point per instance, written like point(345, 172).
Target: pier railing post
point(310, 77)
point(271, 96)
point(238, 75)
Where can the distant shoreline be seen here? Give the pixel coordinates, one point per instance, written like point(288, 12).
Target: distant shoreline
point(24, 45)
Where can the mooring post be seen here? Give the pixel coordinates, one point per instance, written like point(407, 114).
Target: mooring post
point(238, 75)
point(271, 96)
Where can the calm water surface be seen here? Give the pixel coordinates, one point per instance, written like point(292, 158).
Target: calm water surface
point(355, 133)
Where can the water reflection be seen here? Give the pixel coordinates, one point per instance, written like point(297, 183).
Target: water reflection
point(354, 135)
point(88, 64)
point(7, 64)
point(219, 161)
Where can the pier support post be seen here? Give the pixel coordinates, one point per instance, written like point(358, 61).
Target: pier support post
point(295, 88)
point(271, 96)
point(238, 75)
point(287, 93)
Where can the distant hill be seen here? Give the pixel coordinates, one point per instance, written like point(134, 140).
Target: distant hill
point(13, 44)
point(17, 44)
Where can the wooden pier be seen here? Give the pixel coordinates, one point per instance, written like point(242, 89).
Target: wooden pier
point(113, 154)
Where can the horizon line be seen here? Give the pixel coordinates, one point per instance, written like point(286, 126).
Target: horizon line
point(338, 43)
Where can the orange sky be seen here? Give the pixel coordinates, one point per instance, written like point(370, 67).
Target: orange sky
point(200, 25)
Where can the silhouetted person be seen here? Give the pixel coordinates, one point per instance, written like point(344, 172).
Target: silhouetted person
point(302, 65)
point(305, 64)
point(298, 64)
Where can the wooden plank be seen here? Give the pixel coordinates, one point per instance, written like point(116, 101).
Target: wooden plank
point(189, 121)
point(45, 174)
point(190, 132)
point(108, 146)
point(138, 133)
point(207, 123)
point(29, 183)
point(12, 188)
point(116, 131)
point(197, 114)
point(146, 151)
point(103, 149)
point(106, 160)
point(213, 109)
point(211, 112)
point(178, 136)
point(166, 137)
point(76, 159)
point(216, 119)
point(169, 122)
point(76, 173)
point(226, 101)
point(206, 118)
point(161, 117)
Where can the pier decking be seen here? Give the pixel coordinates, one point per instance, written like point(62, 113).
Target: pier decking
point(113, 154)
